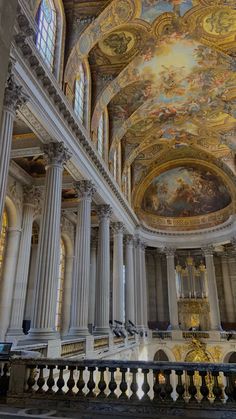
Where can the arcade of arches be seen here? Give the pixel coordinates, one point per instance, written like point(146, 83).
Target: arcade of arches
point(118, 177)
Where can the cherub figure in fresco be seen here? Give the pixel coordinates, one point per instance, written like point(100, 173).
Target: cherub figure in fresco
point(170, 79)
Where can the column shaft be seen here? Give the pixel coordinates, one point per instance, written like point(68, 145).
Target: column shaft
point(144, 288)
point(129, 280)
point(212, 291)
point(103, 271)
point(172, 292)
point(92, 283)
point(118, 280)
point(80, 300)
point(228, 293)
point(47, 271)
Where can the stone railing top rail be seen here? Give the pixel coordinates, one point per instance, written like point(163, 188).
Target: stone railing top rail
point(144, 365)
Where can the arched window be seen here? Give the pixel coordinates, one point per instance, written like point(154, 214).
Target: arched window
point(101, 135)
point(60, 285)
point(80, 94)
point(3, 238)
point(46, 36)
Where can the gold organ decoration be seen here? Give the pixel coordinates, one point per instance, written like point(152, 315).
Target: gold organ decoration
point(60, 285)
point(3, 239)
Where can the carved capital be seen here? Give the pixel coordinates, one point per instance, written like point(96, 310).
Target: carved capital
point(137, 242)
point(14, 97)
point(208, 250)
point(169, 251)
point(233, 242)
point(117, 227)
point(129, 239)
point(31, 195)
point(56, 153)
point(84, 188)
point(104, 211)
point(143, 246)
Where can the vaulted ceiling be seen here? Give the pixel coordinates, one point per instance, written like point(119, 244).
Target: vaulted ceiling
point(165, 70)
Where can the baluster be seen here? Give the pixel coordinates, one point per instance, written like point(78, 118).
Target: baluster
point(112, 384)
point(31, 380)
point(50, 380)
point(60, 381)
point(192, 388)
point(102, 383)
point(4, 380)
point(134, 385)
point(204, 388)
point(80, 383)
point(145, 385)
point(156, 386)
point(91, 382)
point(216, 388)
point(41, 380)
point(229, 390)
point(123, 384)
point(168, 387)
point(71, 381)
point(180, 390)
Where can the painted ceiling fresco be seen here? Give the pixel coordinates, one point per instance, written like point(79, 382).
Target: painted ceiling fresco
point(166, 72)
point(185, 192)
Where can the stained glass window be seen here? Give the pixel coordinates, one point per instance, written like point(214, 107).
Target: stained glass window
point(46, 36)
point(80, 94)
point(101, 134)
point(60, 286)
point(3, 236)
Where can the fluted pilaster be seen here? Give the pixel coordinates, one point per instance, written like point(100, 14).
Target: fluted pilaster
point(144, 286)
point(13, 99)
point(47, 270)
point(118, 283)
point(80, 300)
point(212, 288)
point(139, 308)
point(103, 271)
point(172, 291)
point(129, 279)
point(31, 199)
point(93, 276)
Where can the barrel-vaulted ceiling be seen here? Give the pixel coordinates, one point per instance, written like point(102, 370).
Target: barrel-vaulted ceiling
point(166, 72)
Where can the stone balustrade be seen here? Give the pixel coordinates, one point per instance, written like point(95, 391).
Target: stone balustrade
point(105, 383)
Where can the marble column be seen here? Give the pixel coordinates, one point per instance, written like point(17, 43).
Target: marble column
point(212, 288)
point(129, 279)
point(93, 277)
point(47, 270)
point(159, 288)
point(139, 308)
point(172, 291)
point(118, 273)
point(144, 287)
point(67, 295)
point(80, 289)
point(31, 199)
point(228, 292)
point(103, 271)
point(13, 99)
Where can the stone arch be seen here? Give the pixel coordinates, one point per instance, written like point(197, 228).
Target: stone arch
point(160, 355)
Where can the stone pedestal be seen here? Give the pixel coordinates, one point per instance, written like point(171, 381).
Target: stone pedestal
point(47, 270)
point(80, 293)
point(103, 272)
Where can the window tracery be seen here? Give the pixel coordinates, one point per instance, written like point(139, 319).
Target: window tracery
point(3, 239)
point(46, 36)
point(60, 285)
point(79, 101)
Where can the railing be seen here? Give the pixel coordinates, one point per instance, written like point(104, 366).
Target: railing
point(185, 384)
point(165, 334)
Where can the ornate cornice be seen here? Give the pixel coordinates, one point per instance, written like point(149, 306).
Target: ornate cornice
point(84, 188)
point(56, 153)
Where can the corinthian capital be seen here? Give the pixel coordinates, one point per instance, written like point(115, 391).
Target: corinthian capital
point(84, 188)
point(14, 97)
point(169, 251)
point(208, 250)
point(104, 211)
point(56, 153)
point(117, 227)
point(129, 239)
point(31, 195)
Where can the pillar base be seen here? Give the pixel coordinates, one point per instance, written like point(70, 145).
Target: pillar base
point(102, 331)
point(42, 335)
point(75, 332)
point(14, 335)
